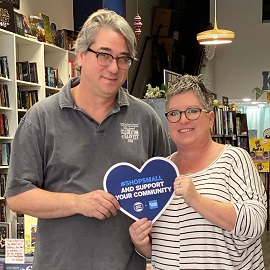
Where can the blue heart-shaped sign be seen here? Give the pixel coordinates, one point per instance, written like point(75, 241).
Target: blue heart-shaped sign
point(144, 192)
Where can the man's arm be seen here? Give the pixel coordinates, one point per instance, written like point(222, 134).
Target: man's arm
point(45, 204)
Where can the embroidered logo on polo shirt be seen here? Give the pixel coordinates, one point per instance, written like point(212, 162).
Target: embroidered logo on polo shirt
point(129, 132)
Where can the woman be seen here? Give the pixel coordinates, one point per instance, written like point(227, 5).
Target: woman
point(218, 213)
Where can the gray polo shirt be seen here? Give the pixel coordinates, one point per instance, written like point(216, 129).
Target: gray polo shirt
point(58, 147)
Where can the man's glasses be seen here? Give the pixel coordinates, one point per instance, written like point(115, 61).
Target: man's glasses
point(191, 114)
point(105, 59)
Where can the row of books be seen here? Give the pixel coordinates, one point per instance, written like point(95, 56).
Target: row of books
point(229, 122)
point(27, 71)
point(52, 78)
point(40, 27)
point(36, 26)
point(4, 69)
point(4, 96)
point(242, 142)
point(5, 153)
point(26, 99)
point(4, 126)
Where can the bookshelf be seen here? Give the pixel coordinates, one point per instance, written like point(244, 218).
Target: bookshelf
point(230, 127)
point(24, 49)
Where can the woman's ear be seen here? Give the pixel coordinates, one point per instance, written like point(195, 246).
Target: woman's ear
point(211, 116)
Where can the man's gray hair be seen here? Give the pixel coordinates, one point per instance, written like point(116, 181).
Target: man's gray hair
point(105, 19)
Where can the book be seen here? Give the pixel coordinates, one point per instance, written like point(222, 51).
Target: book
point(47, 28)
point(260, 153)
point(4, 97)
point(61, 39)
point(2, 210)
point(37, 27)
point(25, 71)
point(4, 68)
point(54, 32)
point(2, 130)
point(56, 76)
point(14, 253)
point(50, 77)
point(5, 153)
point(27, 27)
point(71, 68)
point(33, 72)
point(19, 24)
point(26, 99)
point(30, 228)
point(5, 232)
point(3, 181)
point(6, 125)
point(19, 71)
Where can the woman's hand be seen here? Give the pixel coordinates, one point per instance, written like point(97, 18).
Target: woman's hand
point(183, 186)
point(140, 235)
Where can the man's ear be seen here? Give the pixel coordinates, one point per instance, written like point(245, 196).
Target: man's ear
point(80, 56)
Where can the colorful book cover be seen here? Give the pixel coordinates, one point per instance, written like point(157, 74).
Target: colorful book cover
point(260, 153)
point(26, 26)
point(30, 228)
point(47, 28)
point(37, 27)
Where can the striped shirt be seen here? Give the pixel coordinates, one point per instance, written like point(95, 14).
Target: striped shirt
point(183, 239)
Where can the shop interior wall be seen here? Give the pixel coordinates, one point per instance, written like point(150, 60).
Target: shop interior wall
point(238, 66)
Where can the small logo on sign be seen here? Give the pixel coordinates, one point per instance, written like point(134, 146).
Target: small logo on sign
point(153, 204)
point(138, 206)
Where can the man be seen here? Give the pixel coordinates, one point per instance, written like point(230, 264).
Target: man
point(65, 144)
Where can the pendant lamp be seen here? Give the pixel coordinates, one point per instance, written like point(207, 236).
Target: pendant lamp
point(215, 36)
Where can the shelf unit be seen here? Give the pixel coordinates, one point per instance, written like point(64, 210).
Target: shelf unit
point(230, 127)
point(19, 48)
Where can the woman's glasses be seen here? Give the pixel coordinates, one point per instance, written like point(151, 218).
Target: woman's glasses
point(191, 114)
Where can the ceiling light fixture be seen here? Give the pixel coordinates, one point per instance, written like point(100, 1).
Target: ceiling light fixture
point(215, 36)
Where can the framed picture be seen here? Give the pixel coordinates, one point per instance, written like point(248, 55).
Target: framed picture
point(7, 16)
point(225, 101)
point(169, 77)
point(214, 96)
